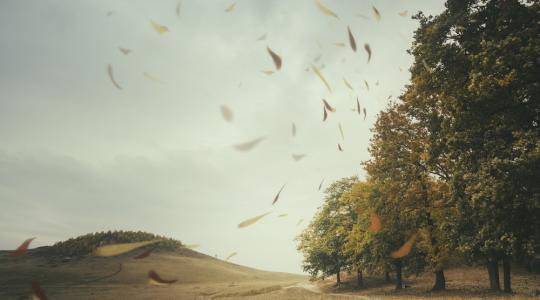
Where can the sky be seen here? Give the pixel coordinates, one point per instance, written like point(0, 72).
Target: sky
point(78, 155)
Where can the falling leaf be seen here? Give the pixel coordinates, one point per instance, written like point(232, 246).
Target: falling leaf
point(321, 77)
point(117, 249)
point(111, 76)
point(262, 37)
point(248, 145)
point(341, 131)
point(339, 147)
point(275, 58)
point(340, 45)
point(375, 222)
point(178, 6)
point(388, 98)
point(143, 254)
point(231, 255)
point(299, 222)
point(298, 157)
point(362, 16)
point(151, 77)
point(365, 113)
point(155, 279)
point(231, 7)
point(405, 249)
point(21, 250)
point(325, 114)
point(293, 129)
point(192, 246)
point(316, 59)
point(376, 13)
point(282, 215)
point(352, 42)
point(159, 28)
point(124, 50)
point(347, 83)
point(328, 107)
point(325, 10)
point(368, 50)
point(37, 292)
point(252, 221)
point(268, 72)
point(227, 113)
point(403, 13)
point(320, 184)
point(358, 105)
point(277, 195)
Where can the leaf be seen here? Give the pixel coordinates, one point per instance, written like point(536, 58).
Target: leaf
point(347, 84)
point(325, 10)
point(230, 7)
point(21, 250)
point(320, 184)
point(155, 279)
point(299, 222)
point(352, 42)
point(192, 246)
point(362, 16)
point(328, 107)
point(117, 249)
point(298, 157)
point(339, 147)
point(282, 215)
point(293, 129)
point(316, 59)
point(341, 131)
point(158, 27)
point(275, 58)
point(368, 50)
point(376, 13)
point(403, 13)
point(178, 6)
point(248, 145)
point(314, 68)
point(151, 77)
point(262, 37)
point(375, 223)
point(268, 72)
point(405, 249)
point(340, 45)
point(143, 254)
point(227, 113)
point(277, 195)
point(358, 106)
point(252, 221)
point(325, 114)
point(111, 76)
point(124, 50)
point(231, 255)
point(37, 292)
point(365, 113)
point(367, 85)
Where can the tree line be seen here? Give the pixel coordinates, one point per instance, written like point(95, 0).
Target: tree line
point(454, 166)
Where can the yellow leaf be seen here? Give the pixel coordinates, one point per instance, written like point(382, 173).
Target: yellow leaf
point(376, 13)
point(231, 7)
point(405, 249)
point(403, 13)
point(117, 249)
point(314, 68)
point(158, 27)
point(347, 83)
point(231, 255)
point(252, 221)
point(325, 10)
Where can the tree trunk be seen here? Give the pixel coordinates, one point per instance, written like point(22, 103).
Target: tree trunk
point(359, 278)
point(506, 275)
point(387, 276)
point(493, 271)
point(338, 278)
point(440, 281)
point(399, 281)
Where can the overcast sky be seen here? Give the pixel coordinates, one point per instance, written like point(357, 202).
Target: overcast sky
point(78, 155)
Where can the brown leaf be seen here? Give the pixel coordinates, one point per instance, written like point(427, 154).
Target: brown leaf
point(298, 157)
point(405, 249)
point(325, 10)
point(21, 250)
point(275, 58)
point(368, 50)
point(328, 107)
point(262, 37)
point(320, 184)
point(37, 292)
point(248, 145)
point(352, 42)
point(252, 221)
point(367, 85)
point(339, 147)
point(227, 113)
point(325, 114)
point(358, 106)
point(376, 13)
point(111, 76)
point(403, 13)
point(375, 223)
point(365, 113)
point(277, 195)
point(143, 254)
point(124, 50)
point(347, 84)
point(157, 280)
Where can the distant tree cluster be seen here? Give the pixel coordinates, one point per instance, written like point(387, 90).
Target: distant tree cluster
point(455, 163)
point(85, 244)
